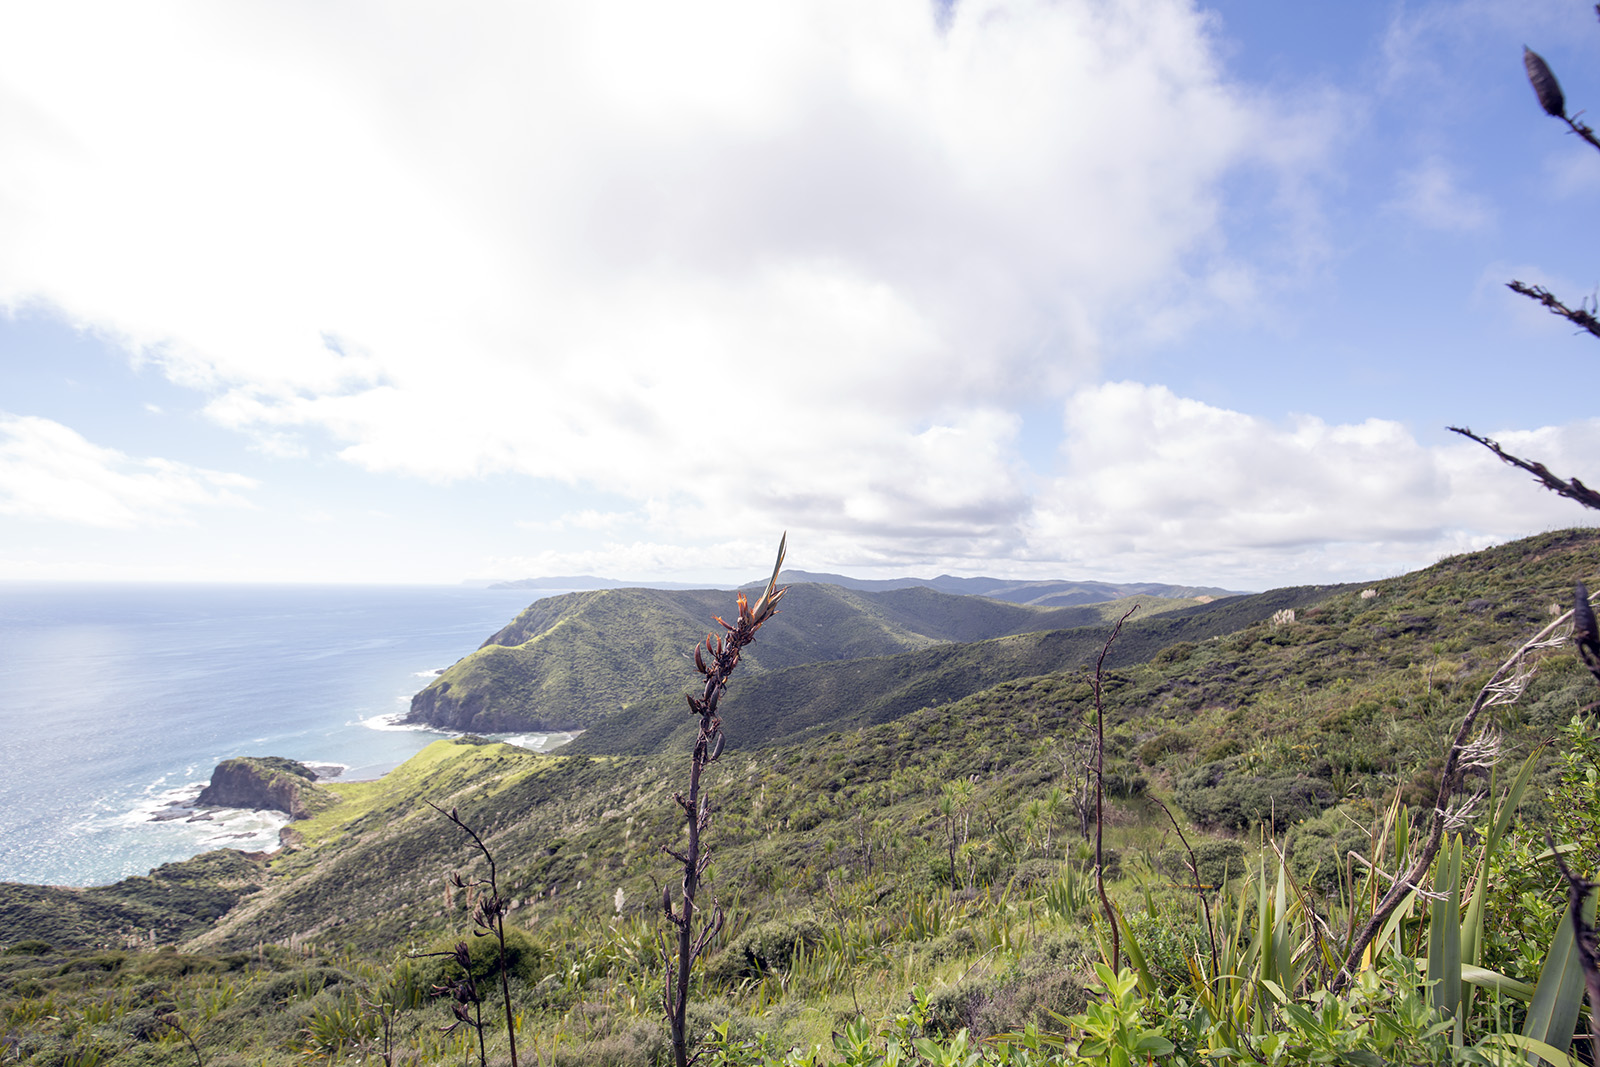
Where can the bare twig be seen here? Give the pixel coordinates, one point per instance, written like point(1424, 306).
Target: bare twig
point(1579, 316)
point(1100, 789)
point(716, 659)
point(1573, 490)
point(1199, 887)
point(171, 1019)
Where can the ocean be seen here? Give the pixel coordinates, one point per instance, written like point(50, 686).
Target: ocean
point(116, 701)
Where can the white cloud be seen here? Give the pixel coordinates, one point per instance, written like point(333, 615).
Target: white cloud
point(1151, 486)
point(1151, 478)
point(1431, 195)
point(750, 261)
point(589, 519)
point(49, 472)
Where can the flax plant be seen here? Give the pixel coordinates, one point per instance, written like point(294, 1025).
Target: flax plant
point(716, 659)
point(488, 919)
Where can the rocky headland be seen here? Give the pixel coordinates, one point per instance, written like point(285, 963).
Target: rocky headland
point(264, 783)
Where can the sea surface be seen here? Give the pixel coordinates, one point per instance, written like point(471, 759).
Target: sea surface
point(116, 701)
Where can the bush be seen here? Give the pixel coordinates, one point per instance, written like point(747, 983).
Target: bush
point(1213, 798)
point(169, 963)
point(763, 949)
point(525, 959)
point(1162, 745)
point(1043, 984)
point(1217, 860)
point(31, 947)
point(1175, 653)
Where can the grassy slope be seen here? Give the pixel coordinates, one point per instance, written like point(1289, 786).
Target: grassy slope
point(576, 660)
point(1351, 700)
point(844, 830)
point(789, 705)
point(177, 900)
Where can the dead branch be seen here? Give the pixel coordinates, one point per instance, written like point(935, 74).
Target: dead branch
point(1573, 490)
point(1100, 789)
point(1579, 316)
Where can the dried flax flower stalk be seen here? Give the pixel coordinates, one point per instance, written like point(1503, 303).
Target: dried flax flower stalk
point(1544, 83)
point(716, 659)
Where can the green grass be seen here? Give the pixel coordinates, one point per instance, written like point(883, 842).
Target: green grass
point(1219, 715)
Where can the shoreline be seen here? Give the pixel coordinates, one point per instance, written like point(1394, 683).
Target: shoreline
point(175, 807)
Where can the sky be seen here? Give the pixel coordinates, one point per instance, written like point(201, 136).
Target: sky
point(1148, 290)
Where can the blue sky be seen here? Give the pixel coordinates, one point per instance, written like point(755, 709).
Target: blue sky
point(1147, 291)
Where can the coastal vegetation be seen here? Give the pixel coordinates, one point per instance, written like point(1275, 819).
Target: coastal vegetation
point(910, 879)
point(583, 659)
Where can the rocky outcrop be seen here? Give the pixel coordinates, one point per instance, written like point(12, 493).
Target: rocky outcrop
point(263, 783)
point(437, 706)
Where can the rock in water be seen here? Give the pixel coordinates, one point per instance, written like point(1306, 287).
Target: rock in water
point(262, 783)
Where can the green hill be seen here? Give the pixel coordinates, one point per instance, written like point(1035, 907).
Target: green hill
point(786, 706)
point(576, 661)
point(1270, 720)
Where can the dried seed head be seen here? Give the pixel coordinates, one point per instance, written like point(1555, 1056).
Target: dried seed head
point(1583, 624)
point(1544, 83)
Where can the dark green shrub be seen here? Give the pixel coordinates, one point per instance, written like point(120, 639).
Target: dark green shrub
point(1216, 860)
point(1126, 786)
point(169, 963)
point(1219, 860)
point(31, 947)
point(106, 961)
point(763, 949)
point(1222, 750)
point(1318, 849)
point(1175, 653)
point(1214, 798)
point(525, 959)
point(280, 989)
point(1163, 745)
point(954, 1008)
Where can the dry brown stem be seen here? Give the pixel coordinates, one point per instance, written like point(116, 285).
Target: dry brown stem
point(1100, 790)
point(1572, 490)
point(715, 658)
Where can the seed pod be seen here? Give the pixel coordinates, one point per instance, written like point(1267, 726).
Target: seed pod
point(1544, 83)
point(666, 901)
point(1584, 632)
point(716, 747)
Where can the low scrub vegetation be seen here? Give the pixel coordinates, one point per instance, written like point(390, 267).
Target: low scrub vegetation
point(920, 890)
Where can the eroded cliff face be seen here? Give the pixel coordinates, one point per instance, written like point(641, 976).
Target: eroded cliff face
point(438, 706)
point(268, 783)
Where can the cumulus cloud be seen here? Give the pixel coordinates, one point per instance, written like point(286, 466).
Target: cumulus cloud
point(1149, 477)
point(49, 471)
point(742, 260)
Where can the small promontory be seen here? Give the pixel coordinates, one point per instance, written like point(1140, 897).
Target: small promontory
point(264, 783)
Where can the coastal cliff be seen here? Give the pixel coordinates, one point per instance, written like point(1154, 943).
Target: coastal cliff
point(264, 783)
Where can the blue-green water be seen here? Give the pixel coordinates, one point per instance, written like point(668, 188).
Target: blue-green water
point(117, 700)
